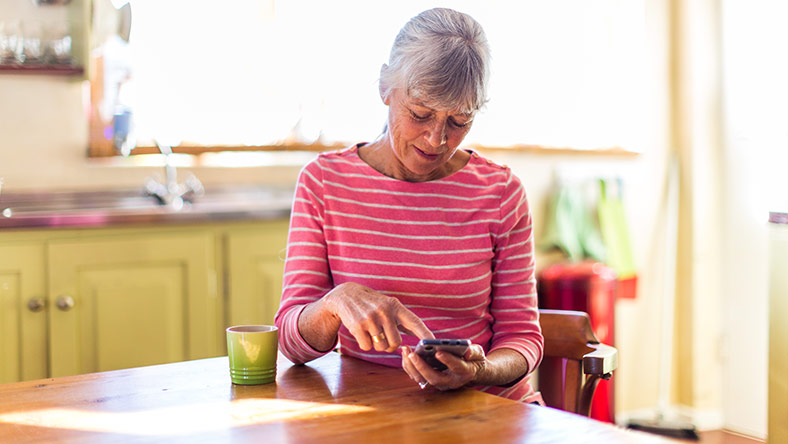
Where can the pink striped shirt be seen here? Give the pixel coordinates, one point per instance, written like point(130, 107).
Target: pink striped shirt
point(456, 251)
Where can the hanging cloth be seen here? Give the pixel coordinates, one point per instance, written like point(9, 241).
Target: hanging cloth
point(570, 226)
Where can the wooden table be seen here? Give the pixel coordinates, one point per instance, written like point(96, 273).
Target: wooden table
point(333, 399)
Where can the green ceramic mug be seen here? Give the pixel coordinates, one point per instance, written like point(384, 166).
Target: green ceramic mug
point(252, 351)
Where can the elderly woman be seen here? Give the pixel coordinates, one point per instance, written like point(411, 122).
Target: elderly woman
point(409, 237)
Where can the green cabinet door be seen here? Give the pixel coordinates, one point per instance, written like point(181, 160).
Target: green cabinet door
point(132, 300)
point(255, 263)
point(23, 329)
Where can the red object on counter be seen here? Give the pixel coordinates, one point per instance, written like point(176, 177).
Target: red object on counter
point(588, 287)
point(626, 288)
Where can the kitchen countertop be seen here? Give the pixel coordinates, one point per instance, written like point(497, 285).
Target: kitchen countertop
point(94, 209)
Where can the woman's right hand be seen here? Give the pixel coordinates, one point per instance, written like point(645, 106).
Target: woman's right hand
point(373, 318)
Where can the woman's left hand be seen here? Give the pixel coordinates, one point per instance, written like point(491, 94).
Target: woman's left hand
point(460, 372)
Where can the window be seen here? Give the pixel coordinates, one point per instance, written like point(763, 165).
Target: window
point(251, 74)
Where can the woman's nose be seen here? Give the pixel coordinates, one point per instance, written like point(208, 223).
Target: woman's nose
point(437, 136)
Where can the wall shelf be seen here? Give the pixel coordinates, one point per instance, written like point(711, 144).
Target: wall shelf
point(56, 70)
point(108, 151)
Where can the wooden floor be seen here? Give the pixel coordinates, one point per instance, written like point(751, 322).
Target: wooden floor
point(722, 437)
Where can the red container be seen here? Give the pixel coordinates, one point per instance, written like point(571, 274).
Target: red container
point(588, 287)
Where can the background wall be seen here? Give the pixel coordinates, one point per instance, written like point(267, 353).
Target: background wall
point(754, 161)
point(43, 142)
point(44, 127)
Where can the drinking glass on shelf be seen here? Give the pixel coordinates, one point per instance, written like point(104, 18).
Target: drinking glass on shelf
point(10, 42)
point(57, 44)
point(31, 42)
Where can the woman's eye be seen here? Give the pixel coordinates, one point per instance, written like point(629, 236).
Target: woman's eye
point(419, 117)
point(460, 125)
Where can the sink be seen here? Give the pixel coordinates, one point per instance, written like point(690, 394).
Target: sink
point(120, 207)
point(61, 202)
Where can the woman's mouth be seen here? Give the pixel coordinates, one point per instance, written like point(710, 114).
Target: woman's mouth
point(425, 155)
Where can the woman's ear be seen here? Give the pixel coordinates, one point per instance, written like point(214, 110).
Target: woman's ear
point(383, 88)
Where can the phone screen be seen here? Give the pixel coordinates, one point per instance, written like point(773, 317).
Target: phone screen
point(427, 348)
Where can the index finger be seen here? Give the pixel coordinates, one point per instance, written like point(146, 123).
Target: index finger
point(408, 322)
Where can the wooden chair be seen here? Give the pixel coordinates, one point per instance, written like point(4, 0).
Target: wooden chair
point(573, 362)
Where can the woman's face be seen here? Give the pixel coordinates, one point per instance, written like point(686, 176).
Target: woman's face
point(422, 139)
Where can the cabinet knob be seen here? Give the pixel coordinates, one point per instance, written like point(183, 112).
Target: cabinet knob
point(65, 303)
point(36, 304)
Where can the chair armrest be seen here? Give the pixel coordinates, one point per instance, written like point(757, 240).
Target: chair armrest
point(602, 361)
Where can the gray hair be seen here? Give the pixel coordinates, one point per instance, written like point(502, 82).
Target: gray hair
point(440, 57)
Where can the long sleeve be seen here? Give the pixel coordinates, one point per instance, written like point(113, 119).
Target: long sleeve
point(307, 276)
point(514, 302)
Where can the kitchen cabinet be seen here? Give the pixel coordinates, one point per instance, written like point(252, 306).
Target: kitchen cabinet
point(778, 328)
point(132, 300)
point(256, 260)
point(87, 300)
point(23, 323)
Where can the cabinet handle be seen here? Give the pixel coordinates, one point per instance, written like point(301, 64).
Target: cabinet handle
point(65, 303)
point(36, 304)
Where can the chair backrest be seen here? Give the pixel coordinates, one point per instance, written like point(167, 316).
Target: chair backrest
point(573, 362)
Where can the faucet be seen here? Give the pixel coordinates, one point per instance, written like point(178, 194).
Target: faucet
point(170, 192)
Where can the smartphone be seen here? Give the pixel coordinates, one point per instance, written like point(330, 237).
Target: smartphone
point(426, 348)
